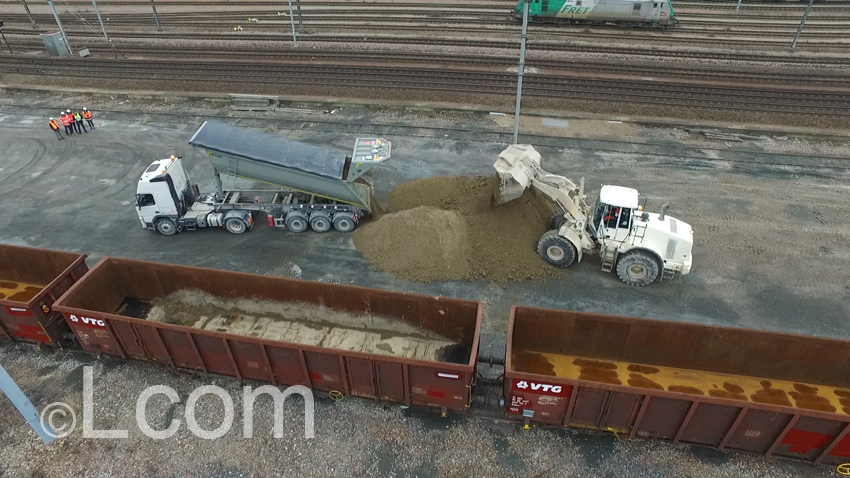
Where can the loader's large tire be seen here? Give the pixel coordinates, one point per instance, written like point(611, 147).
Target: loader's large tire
point(557, 220)
point(637, 268)
point(556, 250)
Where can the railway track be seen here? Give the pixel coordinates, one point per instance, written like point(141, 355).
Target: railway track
point(759, 98)
point(505, 44)
point(342, 57)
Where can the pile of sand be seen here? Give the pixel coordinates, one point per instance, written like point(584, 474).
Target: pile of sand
point(422, 243)
point(447, 227)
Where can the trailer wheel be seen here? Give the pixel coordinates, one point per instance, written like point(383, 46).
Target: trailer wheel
point(637, 268)
point(344, 222)
point(556, 250)
point(320, 221)
point(166, 227)
point(236, 226)
point(296, 222)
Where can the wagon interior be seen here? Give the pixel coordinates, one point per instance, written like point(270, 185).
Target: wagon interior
point(738, 364)
point(307, 313)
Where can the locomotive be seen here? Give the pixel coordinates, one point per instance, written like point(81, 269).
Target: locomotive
point(632, 13)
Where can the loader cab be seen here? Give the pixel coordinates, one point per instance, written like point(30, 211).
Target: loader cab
point(614, 213)
point(161, 191)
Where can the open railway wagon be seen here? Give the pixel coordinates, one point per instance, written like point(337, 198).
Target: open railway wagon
point(763, 392)
point(30, 281)
point(390, 346)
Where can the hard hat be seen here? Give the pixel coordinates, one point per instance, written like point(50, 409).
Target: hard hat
point(84, 108)
point(69, 111)
point(51, 118)
point(61, 113)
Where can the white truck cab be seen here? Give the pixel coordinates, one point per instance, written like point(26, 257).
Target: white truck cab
point(159, 190)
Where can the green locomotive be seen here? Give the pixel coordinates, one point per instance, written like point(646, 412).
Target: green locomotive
point(643, 13)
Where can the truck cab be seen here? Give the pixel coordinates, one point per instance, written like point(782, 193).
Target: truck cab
point(168, 203)
point(159, 192)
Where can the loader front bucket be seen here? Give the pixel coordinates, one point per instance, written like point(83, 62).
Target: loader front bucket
point(515, 168)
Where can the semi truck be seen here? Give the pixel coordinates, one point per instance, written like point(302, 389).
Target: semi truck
point(316, 187)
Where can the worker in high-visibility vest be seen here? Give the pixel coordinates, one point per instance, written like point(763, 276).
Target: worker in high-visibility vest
point(73, 122)
point(66, 122)
point(78, 121)
point(87, 116)
point(55, 127)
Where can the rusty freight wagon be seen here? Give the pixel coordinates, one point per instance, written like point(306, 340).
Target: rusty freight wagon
point(769, 393)
point(389, 346)
point(30, 281)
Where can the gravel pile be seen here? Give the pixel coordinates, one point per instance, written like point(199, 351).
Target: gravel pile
point(447, 228)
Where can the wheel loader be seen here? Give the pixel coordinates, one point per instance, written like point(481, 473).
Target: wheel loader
point(641, 247)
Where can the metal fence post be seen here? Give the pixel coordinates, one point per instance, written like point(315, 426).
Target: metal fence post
point(800, 28)
point(61, 28)
point(521, 70)
point(738, 7)
point(155, 16)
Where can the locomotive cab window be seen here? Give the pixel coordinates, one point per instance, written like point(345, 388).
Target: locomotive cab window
point(636, 6)
point(578, 3)
point(654, 5)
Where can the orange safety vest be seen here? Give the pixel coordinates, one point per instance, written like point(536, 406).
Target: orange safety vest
point(65, 120)
point(54, 125)
point(87, 114)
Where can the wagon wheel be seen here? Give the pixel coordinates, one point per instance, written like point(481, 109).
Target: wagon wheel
point(843, 469)
point(335, 395)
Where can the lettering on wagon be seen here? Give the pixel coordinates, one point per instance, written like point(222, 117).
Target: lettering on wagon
point(91, 322)
point(539, 387)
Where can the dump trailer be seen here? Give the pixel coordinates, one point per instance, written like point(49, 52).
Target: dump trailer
point(319, 188)
point(758, 391)
point(30, 281)
point(352, 341)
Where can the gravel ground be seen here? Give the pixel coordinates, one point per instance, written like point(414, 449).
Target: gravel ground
point(352, 437)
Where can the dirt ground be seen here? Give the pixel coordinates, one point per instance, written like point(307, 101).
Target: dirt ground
point(447, 227)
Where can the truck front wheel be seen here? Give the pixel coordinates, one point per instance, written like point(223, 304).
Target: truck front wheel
point(236, 226)
point(166, 227)
point(637, 268)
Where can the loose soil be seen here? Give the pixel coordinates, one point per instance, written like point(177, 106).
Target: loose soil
point(448, 228)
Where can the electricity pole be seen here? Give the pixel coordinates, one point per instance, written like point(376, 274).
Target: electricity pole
point(292, 23)
point(105, 35)
point(61, 28)
point(29, 14)
point(300, 20)
point(155, 16)
point(800, 28)
point(521, 71)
